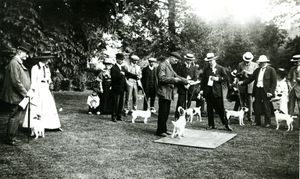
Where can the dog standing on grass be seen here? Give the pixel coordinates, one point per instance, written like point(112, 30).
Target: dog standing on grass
point(280, 116)
point(179, 125)
point(37, 128)
point(143, 114)
point(239, 114)
point(191, 112)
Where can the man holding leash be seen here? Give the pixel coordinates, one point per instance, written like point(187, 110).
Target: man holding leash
point(16, 87)
point(245, 69)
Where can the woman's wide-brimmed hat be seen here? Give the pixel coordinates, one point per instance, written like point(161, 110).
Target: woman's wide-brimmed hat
point(44, 55)
point(189, 56)
point(248, 57)
point(263, 59)
point(296, 58)
point(210, 56)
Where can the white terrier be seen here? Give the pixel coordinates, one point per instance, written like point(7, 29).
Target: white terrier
point(280, 116)
point(143, 114)
point(179, 125)
point(37, 128)
point(191, 112)
point(239, 114)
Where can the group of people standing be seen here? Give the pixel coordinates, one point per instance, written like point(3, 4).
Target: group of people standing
point(19, 83)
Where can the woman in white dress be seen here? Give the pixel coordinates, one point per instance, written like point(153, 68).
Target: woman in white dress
point(43, 102)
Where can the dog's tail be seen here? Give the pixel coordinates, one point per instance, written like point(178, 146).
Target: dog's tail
point(294, 117)
point(173, 122)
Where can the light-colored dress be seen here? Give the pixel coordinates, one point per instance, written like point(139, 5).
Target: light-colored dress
point(43, 102)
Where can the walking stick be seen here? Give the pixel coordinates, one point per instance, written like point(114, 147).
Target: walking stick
point(28, 136)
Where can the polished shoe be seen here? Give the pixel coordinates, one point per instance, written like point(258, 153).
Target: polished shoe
point(120, 119)
point(268, 126)
point(168, 133)
point(114, 120)
point(12, 142)
point(162, 135)
point(228, 127)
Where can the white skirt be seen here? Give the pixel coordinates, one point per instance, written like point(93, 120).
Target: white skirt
point(43, 104)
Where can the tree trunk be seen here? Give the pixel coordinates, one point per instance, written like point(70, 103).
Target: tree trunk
point(171, 22)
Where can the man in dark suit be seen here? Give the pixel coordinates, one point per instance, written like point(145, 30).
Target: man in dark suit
point(149, 82)
point(293, 80)
point(185, 69)
point(118, 75)
point(211, 87)
point(265, 81)
point(15, 88)
point(167, 78)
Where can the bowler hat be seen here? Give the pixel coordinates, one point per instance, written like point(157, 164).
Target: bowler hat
point(210, 56)
point(296, 58)
point(248, 57)
point(189, 56)
point(176, 55)
point(44, 55)
point(120, 56)
point(262, 59)
point(24, 46)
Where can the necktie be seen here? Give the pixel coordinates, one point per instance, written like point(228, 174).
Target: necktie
point(44, 71)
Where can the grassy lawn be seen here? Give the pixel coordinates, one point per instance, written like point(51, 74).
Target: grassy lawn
point(95, 147)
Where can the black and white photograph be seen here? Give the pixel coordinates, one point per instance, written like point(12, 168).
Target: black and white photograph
point(149, 89)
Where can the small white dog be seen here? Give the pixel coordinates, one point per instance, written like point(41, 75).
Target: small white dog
point(191, 112)
point(179, 125)
point(239, 114)
point(143, 114)
point(37, 128)
point(280, 116)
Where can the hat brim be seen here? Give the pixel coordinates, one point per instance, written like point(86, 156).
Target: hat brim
point(210, 59)
point(262, 61)
point(295, 60)
point(188, 58)
point(248, 60)
point(44, 57)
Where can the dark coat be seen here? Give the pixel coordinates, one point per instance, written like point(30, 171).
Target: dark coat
point(118, 81)
point(183, 71)
point(269, 80)
point(146, 72)
point(16, 82)
point(217, 85)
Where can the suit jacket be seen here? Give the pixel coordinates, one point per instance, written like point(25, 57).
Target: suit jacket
point(16, 83)
point(250, 68)
point(183, 71)
point(269, 80)
point(217, 85)
point(166, 80)
point(146, 72)
point(118, 80)
point(294, 80)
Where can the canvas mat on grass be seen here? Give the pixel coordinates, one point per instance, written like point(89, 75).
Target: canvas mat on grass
point(199, 138)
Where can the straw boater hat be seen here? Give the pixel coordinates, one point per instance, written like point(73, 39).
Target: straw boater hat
point(151, 59)
point(44, 55)
point(248, 57)
point(210, 56)
point(263, 59)
point(296, 58)
point(189, 56)
point(134, 57)
point(108, 61)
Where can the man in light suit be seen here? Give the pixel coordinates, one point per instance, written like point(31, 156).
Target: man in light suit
point(211, 88)
point(167, 78)
point(265, 81)
point(245, 69)
point(16, 87)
